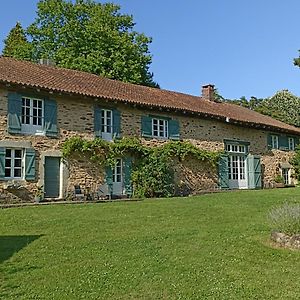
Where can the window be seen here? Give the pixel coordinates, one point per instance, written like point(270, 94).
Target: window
point(160, 128)
point(236, 148)
point(274, 142)
point(291, 143)
point(13, 163)
point(32, 117)
point(106, 121)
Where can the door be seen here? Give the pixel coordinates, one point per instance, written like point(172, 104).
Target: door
point(52, 176)
point(286, 177)
point(117, 176)
point(236, 172)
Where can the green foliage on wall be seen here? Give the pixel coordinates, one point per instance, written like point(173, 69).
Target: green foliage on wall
point(152, 173)
point(296, 163)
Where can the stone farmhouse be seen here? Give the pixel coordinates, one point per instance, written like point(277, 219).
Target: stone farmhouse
point(41, 106)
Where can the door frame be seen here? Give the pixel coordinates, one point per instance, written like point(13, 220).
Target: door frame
point(237, 186)
point(62, 172)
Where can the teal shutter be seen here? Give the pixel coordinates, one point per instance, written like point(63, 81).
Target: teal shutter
point(223, 171)
point(283, 142)
point(173, 129)
point(14, 110)
point(116, 123)
point(254, 172)
point(109, 178)
point(50, 117)
point(29, 164)
point(2, 162)
point(97, 121)
point(146, 126)
point(127, 175)
point(269, 141)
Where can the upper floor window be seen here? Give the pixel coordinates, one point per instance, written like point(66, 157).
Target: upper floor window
point(160, 128)
point(274, 141)
point(106, 121)
point(13, 163)
point(32, 117)
point(291, 143)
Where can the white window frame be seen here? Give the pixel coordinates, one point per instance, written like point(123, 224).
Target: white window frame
point(291, 142)
point(117, 171)
point(31, 128)
point(106, 125)
point(286, 175)
point(274, 141)
point(236, 148)
point(12, 167)
point(160, 128)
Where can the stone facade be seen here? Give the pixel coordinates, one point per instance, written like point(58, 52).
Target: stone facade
point(75, 117)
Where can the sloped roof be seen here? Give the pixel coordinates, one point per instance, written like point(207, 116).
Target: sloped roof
point(62, 80)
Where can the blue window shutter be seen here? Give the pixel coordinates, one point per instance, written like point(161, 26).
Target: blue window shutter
point(269, 140)
point(2, 163)
point(174, 130)
point(116, 123)
point(109, 178)
point(254, 172)
point(223, 171)
point(97, 121)
point(127, 176)
point(14, 113)
point(146, 126)
point(50, 117)
point(283, 142)
point(29, 164)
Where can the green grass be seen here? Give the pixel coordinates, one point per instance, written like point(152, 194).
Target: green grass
point(209, 247)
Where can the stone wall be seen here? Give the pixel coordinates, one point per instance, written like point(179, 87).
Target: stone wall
point(76, 117)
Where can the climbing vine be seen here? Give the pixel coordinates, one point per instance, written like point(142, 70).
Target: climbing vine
point(152, 171)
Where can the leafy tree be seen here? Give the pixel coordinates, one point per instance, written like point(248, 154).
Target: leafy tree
point(92, 37)
point(16, 44)
point(283, 106)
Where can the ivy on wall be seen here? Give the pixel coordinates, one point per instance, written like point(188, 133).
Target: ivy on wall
point(152, 172)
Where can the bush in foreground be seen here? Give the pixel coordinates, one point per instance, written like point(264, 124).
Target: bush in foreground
point(286, 218)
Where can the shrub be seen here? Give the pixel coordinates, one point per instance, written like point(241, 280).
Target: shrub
point(286, 218)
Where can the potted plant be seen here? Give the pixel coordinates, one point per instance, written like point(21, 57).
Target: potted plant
point(279, 181)
point(39, 195)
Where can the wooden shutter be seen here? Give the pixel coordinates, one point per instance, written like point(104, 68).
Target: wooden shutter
point(223, 171)
point(116, 123)
point(283, 142)
point(173, 129)
point(127, 175)
point(146, 126)
point(97, 121)
point(50, 117)
point(269, 141)
point(254, 172)
point(109, 178)
point(14, 110)
point(29, 164)
point(2, 162)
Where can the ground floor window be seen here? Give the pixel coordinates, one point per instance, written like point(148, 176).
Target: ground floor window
point(13, 163)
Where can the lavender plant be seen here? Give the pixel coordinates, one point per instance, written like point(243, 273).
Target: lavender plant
point(286, 218)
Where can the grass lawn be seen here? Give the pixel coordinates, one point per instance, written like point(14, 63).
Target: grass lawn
point(208, 247)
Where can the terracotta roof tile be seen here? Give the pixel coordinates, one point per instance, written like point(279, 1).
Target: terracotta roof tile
point(76, 82)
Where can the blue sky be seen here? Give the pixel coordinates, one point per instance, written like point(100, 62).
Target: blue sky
point(244, 47)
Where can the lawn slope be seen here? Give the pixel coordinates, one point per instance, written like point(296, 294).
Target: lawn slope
point(208, 247)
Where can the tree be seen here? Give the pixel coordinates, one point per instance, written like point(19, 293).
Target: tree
point(91, 37)
point(16, 44)
point(283, 106)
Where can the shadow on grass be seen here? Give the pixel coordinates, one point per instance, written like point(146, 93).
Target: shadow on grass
point(10, 244)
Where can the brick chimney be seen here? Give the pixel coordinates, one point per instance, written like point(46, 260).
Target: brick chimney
point(208, 92)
